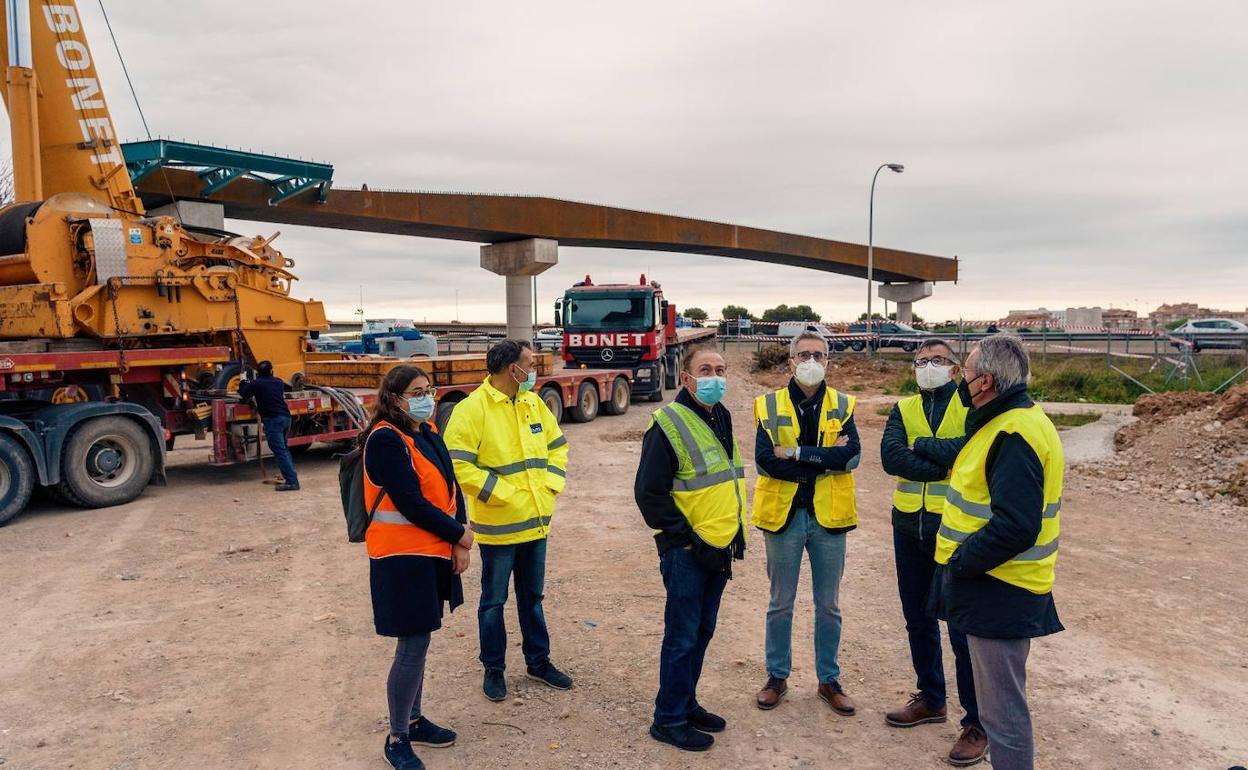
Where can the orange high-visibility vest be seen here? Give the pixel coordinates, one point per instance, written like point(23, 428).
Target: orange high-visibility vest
point(390, 533)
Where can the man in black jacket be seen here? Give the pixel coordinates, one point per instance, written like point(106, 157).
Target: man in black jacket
point(997, 558)
point(917, 505)
point(695, 572)
point(269, 393)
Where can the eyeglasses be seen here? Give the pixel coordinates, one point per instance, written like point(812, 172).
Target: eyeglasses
point(807, 355)
point(919, 363)
point(430, 391)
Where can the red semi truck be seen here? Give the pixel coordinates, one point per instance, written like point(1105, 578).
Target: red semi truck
point(626, 326)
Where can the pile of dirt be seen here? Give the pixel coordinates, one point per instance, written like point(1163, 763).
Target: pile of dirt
point(1186, 447)
point(1234, 405)
point(1166, 405)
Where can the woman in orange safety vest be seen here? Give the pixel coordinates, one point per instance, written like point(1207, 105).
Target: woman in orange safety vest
point(418, 545)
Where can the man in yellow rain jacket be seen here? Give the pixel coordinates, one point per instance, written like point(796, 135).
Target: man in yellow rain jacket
point(511, 461)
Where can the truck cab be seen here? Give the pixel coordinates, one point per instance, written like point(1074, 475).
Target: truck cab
point(624, 326)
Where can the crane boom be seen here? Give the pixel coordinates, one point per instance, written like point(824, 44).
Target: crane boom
point(64, 139)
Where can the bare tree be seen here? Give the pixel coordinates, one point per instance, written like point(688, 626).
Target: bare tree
point(6, 183)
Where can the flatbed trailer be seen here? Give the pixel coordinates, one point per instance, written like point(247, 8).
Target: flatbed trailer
point(93, 426)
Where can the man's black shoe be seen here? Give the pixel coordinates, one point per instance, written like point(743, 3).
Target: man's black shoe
point(401, 757)
point(682, 737)
point(422, 732)
point(704, 721)
point(494, 686)
point(286, 488)
point(547, 674)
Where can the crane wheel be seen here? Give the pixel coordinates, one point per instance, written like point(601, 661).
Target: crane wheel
point(17, 479)
point(106, 461)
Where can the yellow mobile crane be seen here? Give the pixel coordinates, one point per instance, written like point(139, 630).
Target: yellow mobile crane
point(109, 316)
point(79, 256)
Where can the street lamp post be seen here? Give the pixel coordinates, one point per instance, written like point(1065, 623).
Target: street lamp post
point(896, 168)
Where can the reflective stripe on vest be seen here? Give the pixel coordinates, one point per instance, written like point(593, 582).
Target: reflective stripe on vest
point(391, 533)
point(709, 488)
point(913, 496)
point(968, 504)
point(834, 500)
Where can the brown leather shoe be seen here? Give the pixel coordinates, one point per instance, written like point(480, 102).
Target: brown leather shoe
point(916, 712)
point(834, 696)
point(970, 748)
point(772, 693)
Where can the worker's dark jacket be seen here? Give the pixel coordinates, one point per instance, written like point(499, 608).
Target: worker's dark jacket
point(270, 396)
point(963, 593)
point(814, 460)
point(900, 460)
point(653, 486)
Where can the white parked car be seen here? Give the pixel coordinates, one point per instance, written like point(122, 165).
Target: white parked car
point(548, 339)
point(1212, 333)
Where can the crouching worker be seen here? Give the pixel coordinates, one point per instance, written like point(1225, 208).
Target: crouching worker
point(418, 546)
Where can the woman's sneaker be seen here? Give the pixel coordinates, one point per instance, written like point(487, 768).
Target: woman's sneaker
point(400, 755)
point(422, 732)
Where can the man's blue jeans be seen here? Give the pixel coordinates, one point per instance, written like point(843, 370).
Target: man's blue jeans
point(916, 569)
point(275, 430)
point(784, 564)
point(527, 562)
point(693, 596)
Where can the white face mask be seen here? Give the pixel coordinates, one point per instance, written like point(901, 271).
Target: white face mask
point(932, 377)
point(810, 373)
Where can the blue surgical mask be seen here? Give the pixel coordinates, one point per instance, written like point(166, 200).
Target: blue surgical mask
point(527, 384)
point(711, 389)
point(420, 408)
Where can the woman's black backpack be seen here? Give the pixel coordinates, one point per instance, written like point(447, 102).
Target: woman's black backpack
point(351, 488)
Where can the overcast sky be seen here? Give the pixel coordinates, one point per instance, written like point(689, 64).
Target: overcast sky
point(1069, 153)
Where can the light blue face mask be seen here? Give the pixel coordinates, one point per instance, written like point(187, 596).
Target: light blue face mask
point(420, 408)
point(711, 389)
point(527, 384)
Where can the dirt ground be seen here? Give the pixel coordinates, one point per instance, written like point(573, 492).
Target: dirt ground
point(213, 623)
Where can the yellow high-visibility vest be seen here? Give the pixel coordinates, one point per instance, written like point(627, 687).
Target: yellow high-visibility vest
point(835, 503)
point(709, 488)
point(968, 505)
point(912, 496)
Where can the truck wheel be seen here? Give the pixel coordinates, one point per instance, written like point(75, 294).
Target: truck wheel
point(586, 407)
point(552, 396)
point(621, 397)
point(671, 374)
point(909, 347)
point(443, 415)
point(17, 479)
point(857, 345)
point(106, 461)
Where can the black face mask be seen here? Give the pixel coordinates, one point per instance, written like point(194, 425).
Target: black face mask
point(964, 393)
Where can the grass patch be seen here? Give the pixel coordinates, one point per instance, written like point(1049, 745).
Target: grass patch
point(1090, 380)
point(1073, 420)
point(884, 411)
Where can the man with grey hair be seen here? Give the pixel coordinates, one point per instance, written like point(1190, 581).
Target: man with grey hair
point(918, 501)
point(805, 450)
point(998, 540)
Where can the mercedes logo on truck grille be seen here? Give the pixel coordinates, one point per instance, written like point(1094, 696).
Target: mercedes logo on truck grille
point(607, 354)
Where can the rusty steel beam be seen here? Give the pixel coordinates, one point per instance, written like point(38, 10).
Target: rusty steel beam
point(497, 218)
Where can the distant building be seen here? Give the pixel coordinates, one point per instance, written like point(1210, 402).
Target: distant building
point(1182, 311)
point(1083, 316)
point(1118, 318)
point(1037, 317)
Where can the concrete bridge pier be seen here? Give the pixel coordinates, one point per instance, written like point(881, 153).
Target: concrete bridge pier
point(518, 262)
point(905, 295)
